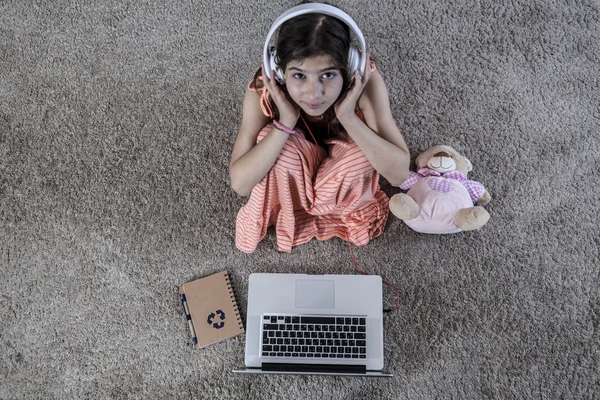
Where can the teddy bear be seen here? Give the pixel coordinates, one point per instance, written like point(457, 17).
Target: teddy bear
point(440, 198)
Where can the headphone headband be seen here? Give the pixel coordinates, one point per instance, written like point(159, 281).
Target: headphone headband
point(315, 8)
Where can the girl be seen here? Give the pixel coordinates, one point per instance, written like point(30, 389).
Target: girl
point(310, 149)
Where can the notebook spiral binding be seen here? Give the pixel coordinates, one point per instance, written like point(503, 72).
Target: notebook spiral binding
point(231, 288)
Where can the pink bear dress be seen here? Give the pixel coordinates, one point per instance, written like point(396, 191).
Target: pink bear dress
point(440, 197)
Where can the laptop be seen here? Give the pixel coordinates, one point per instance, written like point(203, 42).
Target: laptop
point(314, 324)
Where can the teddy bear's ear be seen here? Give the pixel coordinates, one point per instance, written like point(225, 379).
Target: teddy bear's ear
point(469, 165)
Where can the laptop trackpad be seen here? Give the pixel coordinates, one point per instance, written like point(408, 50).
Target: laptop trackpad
point(314, 294)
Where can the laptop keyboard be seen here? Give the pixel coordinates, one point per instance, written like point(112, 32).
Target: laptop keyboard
point(314, 336)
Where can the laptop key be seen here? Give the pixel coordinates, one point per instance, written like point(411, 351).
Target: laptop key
point(361, 329)
point(295, 320)
point(273, 320)
point(359, 336)
point(339, 321)
point(288, 354)
point(361, 343)
point(354, 321)
point(354, 355)
point(348, 321)
point(288, 320)
point(363, 321)
point(279, 354)
point(267, 348)
point(318, 320)
point(270, 327)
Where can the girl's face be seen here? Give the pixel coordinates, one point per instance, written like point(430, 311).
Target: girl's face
point(314, 84)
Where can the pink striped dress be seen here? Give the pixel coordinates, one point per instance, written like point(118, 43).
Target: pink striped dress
point(309, 193)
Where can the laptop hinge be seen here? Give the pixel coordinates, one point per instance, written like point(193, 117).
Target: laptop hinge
point(338, 369)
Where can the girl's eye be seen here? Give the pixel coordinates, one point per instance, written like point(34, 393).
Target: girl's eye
point(298, 76)
point(329, 75)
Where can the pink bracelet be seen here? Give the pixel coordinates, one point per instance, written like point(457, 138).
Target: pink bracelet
point(283, 128)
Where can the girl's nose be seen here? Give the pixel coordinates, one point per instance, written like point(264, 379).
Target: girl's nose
point(315, 88)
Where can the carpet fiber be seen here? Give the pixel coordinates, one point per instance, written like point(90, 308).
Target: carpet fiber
point(117, 120)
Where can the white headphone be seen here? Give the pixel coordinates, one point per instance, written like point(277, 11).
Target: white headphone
point(356, 58)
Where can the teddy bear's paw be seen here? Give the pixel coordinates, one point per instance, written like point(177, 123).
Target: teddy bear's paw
point(403, 206)
point(468, 219)
point(486, 198)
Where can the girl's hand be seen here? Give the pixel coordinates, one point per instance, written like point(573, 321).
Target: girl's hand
point(288, 112)
point(346, 108)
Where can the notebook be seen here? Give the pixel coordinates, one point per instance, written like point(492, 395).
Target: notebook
point(211, 309)
point(314, 324)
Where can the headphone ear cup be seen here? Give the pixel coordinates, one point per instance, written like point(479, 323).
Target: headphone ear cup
point(274, 67)
point(353, 61)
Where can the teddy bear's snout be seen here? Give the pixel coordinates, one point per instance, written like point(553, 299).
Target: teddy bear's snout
point(441, 163)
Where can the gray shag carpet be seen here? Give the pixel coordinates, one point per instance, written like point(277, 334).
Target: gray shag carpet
point(117, 119)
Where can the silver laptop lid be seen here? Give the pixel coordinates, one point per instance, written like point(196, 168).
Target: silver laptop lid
point(344, 296)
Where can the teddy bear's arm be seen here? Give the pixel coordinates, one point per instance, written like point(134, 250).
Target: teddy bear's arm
point(476, 190)
point(413, 178)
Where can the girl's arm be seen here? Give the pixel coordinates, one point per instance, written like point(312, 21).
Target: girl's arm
point(250, 161)
point(379, 139)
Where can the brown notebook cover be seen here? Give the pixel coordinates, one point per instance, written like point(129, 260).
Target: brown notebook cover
point(211, 309)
